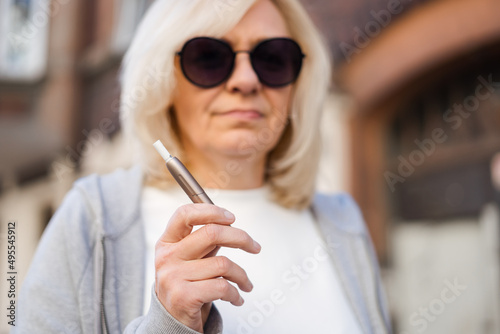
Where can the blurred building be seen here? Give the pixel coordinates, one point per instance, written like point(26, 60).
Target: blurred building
point(411, 130)
point(424, 79)
point(59, 100)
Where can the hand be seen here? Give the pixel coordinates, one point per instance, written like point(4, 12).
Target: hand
point(187, 275)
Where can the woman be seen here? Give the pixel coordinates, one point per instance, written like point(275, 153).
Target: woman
point(235, 90)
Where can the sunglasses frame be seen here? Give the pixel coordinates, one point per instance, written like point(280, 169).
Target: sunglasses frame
point(234, 53)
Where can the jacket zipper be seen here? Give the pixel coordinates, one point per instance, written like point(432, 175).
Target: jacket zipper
point(104, 322)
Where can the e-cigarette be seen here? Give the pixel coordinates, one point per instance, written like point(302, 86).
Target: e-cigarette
point(180, 173)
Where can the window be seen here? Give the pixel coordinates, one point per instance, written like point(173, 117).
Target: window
point(24, 26)
point(128, 14)
point(440, 145)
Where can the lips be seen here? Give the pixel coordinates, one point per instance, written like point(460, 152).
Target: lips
point(244, 114)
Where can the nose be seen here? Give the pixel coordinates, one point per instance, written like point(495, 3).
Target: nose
point(243, 79)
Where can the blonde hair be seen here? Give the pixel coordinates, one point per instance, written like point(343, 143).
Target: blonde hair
point(148, 83)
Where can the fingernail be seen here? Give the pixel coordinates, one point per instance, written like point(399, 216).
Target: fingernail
point(241, 300)
point(256, 245)
point(228, 215)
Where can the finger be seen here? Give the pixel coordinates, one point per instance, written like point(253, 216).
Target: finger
point(205, 311)
point(204, 240)
point(213, 252)
point(187, 216)
point(213, 289)
point(214, 267)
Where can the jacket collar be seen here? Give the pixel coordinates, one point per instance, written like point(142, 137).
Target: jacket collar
point(349, 245)
point(107, 194)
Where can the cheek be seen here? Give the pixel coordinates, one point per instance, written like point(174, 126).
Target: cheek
point(182, 107)
point(280, 100)
point(190, 104)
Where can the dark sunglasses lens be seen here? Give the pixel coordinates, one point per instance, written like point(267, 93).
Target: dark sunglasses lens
point(277, 62)
point(206, 62)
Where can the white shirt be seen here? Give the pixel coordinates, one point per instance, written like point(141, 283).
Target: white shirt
point(296, 288)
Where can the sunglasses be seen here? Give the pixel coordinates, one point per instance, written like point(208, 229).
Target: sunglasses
point(207, 62)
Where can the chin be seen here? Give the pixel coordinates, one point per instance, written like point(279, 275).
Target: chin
point(246, 144)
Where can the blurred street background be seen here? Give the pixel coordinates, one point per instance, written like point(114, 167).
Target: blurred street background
point(411, 130)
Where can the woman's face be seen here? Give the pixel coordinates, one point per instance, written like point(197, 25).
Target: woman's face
point(239, 118)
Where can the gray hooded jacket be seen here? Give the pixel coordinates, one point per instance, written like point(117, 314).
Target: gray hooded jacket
point(88, 273)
